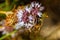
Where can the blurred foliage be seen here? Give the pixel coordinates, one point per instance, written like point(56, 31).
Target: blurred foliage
point(2, 16)
point(9, 4)
point(6, 6)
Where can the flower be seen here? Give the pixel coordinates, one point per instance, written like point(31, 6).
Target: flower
point(19, 15)
point(19, 25)
point(28, 16)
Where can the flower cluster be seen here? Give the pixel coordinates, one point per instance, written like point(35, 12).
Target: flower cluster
point(23, 18)
point(28, 17)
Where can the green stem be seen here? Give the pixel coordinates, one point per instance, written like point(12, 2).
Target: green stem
point(3, 37)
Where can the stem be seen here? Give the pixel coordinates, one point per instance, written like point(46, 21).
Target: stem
point(3, 37)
